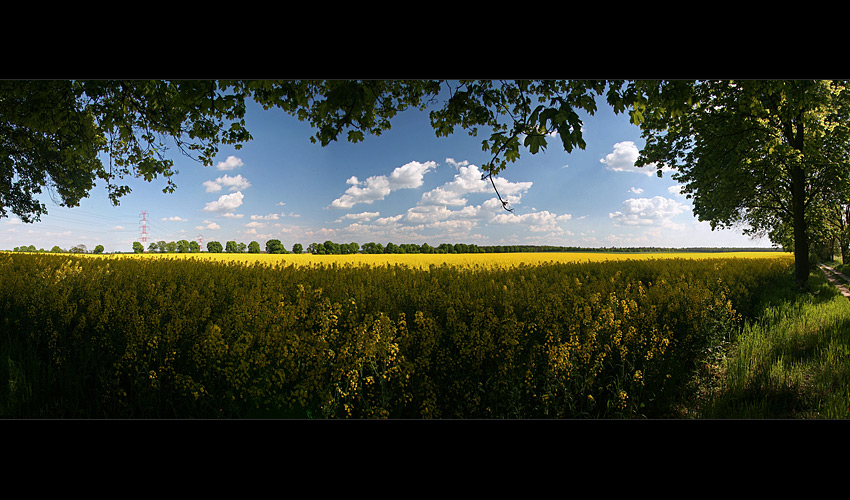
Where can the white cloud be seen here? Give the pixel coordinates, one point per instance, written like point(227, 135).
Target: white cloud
point(232, 183)
point(174, 218)
point(623, 159)
point(409, 175)
point(468, 181)
point(255, 224)
point(118, 228)
point(231, 215)
point(675, 190)
point(377, 187)
point(656, 211)
point(636, 190)
point(427, 214)
point(209, 225)
point(267, 217)
point(383, 221)
point(230, 163)
point(493, 203)
point(364, 216)
point(453, 226)
point(536, 221)
point(373, 189)
point(225, 203)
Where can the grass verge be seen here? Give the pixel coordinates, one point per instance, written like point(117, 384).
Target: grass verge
point(791, 362)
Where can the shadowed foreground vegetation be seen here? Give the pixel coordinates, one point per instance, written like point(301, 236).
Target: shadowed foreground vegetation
point(791, 361)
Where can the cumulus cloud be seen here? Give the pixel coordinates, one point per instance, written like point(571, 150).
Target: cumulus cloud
point(536, 221)
point(231, 215)
point(118, 228)
point(362, 216)
point(209, 225)
point(676, 190)
point(174, 218)
point(468, 181)
point(409, 175)
point(636, 190)
point(430, 214)
point(230, 163)
point(623, 159)
point(232, 183)
point(383, 221)
point(377, 187)
point(427, 214)
point(656, 211)
point(454, 225)
point(267, 217)
point(225, 203)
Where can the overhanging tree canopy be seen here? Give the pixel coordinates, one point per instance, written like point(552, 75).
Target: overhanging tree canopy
point(768, 154)
point(53, 134)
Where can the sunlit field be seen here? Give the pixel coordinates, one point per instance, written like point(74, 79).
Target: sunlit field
point(229, 335)
point(503, 260)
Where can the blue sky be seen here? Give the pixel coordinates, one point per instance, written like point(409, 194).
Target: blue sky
point(405, 186)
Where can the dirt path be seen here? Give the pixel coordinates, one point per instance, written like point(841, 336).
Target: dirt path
point(831, 276)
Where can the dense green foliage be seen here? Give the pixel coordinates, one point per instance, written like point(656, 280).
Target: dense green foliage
point(55, 134)
point(127, 337)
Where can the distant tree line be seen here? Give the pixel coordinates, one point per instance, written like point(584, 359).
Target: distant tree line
point(56, 249)
point(332, 248)
point(274, 246)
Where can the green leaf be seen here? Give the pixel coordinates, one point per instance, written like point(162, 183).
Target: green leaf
point(535, 142)
point(355, 135)
point(636, 117)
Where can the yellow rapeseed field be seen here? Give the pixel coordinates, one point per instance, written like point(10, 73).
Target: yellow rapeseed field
point(489, 260)
point(514, 335)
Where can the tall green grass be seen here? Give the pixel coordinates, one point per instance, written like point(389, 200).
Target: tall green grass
point(792, 361)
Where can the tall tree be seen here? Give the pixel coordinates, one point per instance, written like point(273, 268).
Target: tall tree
point(274, 246)
point(760, 153)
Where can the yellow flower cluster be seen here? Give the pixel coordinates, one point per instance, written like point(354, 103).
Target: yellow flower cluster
point(176, 337)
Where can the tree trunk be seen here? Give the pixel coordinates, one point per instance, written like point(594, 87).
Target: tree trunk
point(844, 234)
point(801, 238)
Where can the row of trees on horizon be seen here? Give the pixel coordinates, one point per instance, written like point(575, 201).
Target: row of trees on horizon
point(274, 246)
